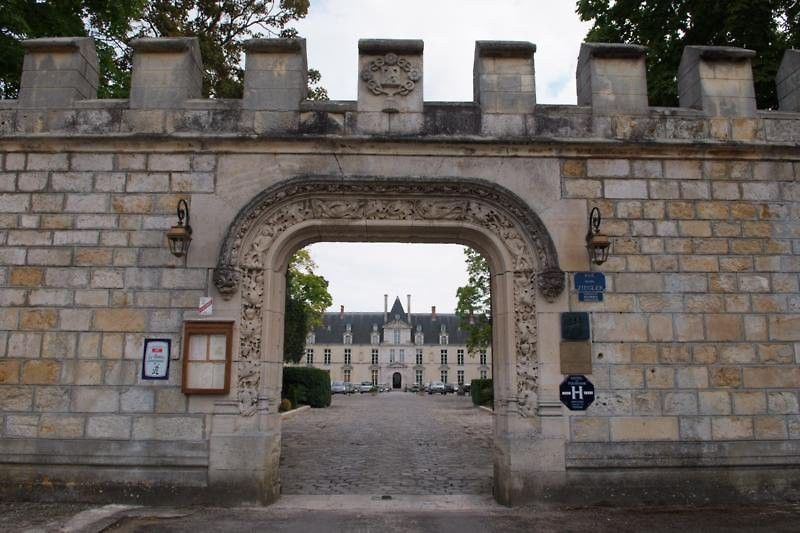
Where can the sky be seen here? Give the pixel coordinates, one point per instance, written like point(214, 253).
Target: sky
point(361, 273)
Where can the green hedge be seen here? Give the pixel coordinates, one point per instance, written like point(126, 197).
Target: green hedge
point(306, 386)
point(482, 392)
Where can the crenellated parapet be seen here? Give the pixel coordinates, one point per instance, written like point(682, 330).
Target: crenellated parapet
point(58, 95)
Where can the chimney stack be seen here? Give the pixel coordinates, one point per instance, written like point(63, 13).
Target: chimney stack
point(433, 312)
point(385, 307)
point(408, 309)
point(341, 312)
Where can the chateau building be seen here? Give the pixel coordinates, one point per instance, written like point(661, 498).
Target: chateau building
point(396, 347)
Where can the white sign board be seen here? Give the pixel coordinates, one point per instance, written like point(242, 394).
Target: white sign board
point(155, 362)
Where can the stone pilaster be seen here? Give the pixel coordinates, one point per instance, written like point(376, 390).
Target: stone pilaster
point(166, 72)
point(275, 82)
point(788, 82)
point(57, 71)
point(504, 85)
point(611, 78)
point(717, 80)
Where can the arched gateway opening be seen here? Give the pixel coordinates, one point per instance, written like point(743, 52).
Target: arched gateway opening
point(397, 380)
point(293, 214)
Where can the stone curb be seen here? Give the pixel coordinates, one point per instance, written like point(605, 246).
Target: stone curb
point(293, 412)
point(488, 409)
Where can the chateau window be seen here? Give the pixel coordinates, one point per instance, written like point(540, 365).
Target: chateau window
point(311, 338)
point(483, 358)
point(374, 356)
point(483, 374)
point(391, 355)
point(443, 356)
point(347, 375)
point(460, 375)
point(460, 357)
point(348, 338)
point(419, 337)
point(326, 356)
point(310, 356)
point(418, 377)
point(375, 338)
point(402, 355)
point(443, 375)
point(443, 340)
point(419, 356)
point(374, 377)
point(348, 356)
point(396, 333)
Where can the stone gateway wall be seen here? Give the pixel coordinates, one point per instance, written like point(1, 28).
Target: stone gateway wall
point(695, 350)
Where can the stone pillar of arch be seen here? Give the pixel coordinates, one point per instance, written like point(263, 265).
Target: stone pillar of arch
point(245, 440)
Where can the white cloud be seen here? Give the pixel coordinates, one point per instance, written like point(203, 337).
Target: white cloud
point(449, 29)
point(361, 273)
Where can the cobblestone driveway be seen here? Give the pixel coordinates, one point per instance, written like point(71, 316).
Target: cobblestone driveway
point(392, 443)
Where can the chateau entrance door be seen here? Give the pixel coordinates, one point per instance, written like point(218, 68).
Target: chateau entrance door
point(251, 274)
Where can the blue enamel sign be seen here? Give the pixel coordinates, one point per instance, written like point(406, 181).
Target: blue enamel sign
point(590, 286)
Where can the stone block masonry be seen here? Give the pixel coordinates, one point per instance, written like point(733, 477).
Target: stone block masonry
point(695, 348)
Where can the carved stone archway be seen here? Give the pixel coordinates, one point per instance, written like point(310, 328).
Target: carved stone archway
point(492, 210)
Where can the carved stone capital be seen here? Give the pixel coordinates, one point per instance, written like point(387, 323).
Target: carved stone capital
point(552, 282)
point(226, 279)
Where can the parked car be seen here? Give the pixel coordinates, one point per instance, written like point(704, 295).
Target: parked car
point(366, 386)
point(383, 387)
point(349, 387)
point(467, 387)
point(437, 387)
point(338, 387)
point(449, 388)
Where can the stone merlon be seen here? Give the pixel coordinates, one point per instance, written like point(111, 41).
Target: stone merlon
point(58, 95)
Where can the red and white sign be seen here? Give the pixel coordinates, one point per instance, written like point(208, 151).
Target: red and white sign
point(206, 306)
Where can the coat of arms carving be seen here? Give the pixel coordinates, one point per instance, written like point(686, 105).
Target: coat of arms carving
point(390, 75)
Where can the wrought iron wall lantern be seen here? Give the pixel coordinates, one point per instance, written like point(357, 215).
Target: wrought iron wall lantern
point(597, 243)
point(180, 236)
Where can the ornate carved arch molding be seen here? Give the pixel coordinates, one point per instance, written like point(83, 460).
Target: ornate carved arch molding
point(497, 210)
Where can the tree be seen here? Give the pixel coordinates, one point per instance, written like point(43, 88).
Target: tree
point(474, 307)
point(108, 22)
point(307, 297)
point(221, 27)
point(665, 26)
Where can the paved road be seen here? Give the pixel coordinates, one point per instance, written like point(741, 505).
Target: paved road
point(391, 443)
point(292, 517)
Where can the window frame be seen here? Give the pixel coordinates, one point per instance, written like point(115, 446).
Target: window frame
point(204, 328)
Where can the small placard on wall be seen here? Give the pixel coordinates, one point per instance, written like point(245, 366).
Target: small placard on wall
point(576, 358)
point(575, 327)
point(155, 360)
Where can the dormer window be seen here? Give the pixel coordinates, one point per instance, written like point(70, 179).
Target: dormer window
point(311, 338)
point(396, 333)
point(419, 337)
point(443, 339)
point(375, 337)
point(348, 335)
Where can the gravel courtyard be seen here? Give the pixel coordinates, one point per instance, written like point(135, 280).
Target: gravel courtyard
point(391, 443)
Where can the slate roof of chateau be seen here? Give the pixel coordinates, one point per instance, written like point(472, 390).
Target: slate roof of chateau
point(334, 326)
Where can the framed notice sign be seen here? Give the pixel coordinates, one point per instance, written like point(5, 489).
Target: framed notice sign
point(155, 361)
point(207, 357)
